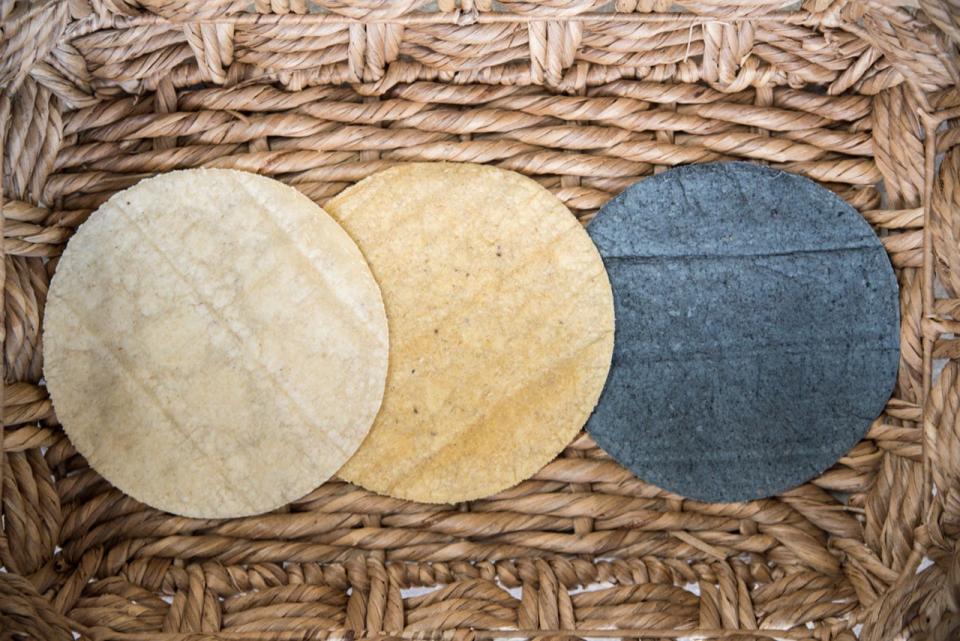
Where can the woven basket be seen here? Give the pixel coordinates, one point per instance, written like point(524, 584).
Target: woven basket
point(586, 96)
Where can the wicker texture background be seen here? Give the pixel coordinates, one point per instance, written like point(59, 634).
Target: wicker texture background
point(586, 96)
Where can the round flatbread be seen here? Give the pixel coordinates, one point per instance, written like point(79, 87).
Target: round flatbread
point(757, 330)
point(215, 343)
point(501, 328)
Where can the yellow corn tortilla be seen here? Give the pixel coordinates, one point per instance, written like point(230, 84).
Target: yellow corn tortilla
point(215, 343)
point(501, 328)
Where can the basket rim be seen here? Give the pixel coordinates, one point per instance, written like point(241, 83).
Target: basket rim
point(930, 418)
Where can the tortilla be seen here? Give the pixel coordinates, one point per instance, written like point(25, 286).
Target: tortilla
point(757, 330)
point(501, 328)
point(215, 343)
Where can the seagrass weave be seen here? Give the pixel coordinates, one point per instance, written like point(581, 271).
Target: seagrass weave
point(586, 96)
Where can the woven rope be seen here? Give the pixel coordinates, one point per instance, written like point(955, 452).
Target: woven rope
point(587, 97)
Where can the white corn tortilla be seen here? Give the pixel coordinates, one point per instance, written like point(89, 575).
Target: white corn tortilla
point(215, 343)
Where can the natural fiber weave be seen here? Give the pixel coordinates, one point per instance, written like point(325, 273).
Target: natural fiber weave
point(586, 96)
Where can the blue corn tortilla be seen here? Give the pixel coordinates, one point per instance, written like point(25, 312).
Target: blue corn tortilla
point(757, 330)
